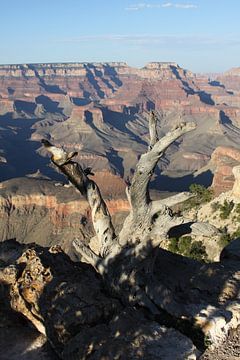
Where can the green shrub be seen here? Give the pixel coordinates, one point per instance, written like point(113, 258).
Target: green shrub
point(198, 251)
point(202, 195)
point(184, 246)
point(189, 204)
point(173, 245)
point(225, 237)
point(226, 209)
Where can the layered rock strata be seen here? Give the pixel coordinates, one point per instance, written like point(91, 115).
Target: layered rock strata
point(52, 213)
point(100, 110)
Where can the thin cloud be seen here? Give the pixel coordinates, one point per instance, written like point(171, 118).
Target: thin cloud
point(180, 6)
point(145, 39)
point(142, 6)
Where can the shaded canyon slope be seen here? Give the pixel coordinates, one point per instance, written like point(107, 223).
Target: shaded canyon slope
point(100, 110)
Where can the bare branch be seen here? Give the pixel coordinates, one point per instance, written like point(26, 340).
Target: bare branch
point(171, 201)
point(58, 154)
point(139, 189)
point(88, 255)
point(88, 188)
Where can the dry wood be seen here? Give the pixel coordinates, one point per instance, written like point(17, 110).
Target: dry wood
point(88, 188)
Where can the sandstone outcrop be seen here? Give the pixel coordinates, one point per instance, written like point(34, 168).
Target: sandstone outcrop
point(223, 210)
point(236, 185)
point(223, 160)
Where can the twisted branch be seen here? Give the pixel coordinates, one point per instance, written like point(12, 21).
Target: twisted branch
point(139, 191)
point(101, 217)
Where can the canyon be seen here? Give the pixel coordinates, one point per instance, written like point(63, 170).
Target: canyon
point(101, 111)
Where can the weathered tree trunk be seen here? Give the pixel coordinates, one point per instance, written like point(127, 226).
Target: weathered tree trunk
point(75, 305)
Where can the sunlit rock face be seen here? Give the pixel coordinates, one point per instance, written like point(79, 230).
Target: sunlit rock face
point(236, 185)
point(230, 79)
point(223, 160)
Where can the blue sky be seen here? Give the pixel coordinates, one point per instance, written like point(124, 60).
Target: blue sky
point(200, 35)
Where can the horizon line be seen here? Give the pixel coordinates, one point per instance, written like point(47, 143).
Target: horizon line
point(112, 62)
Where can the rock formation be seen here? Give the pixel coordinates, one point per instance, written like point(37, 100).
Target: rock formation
point(236, 185)
point(223, 160)
point(223, 210)
point(99, 110)
point(230, 79)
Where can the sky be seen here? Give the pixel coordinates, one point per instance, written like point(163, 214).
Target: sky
point(200, 35)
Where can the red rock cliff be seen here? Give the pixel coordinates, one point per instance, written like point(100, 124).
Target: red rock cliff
point(223, 160)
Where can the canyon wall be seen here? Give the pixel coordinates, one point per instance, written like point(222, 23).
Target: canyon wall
point(49, 213)
point(100, 110)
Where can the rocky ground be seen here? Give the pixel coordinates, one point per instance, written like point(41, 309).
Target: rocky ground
point(230, 350)
point(24, 343)
point(18, 338)
point(19, 341)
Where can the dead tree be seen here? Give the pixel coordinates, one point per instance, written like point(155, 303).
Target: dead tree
point(147, 225)
point(186, 290)
point(148, 220)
